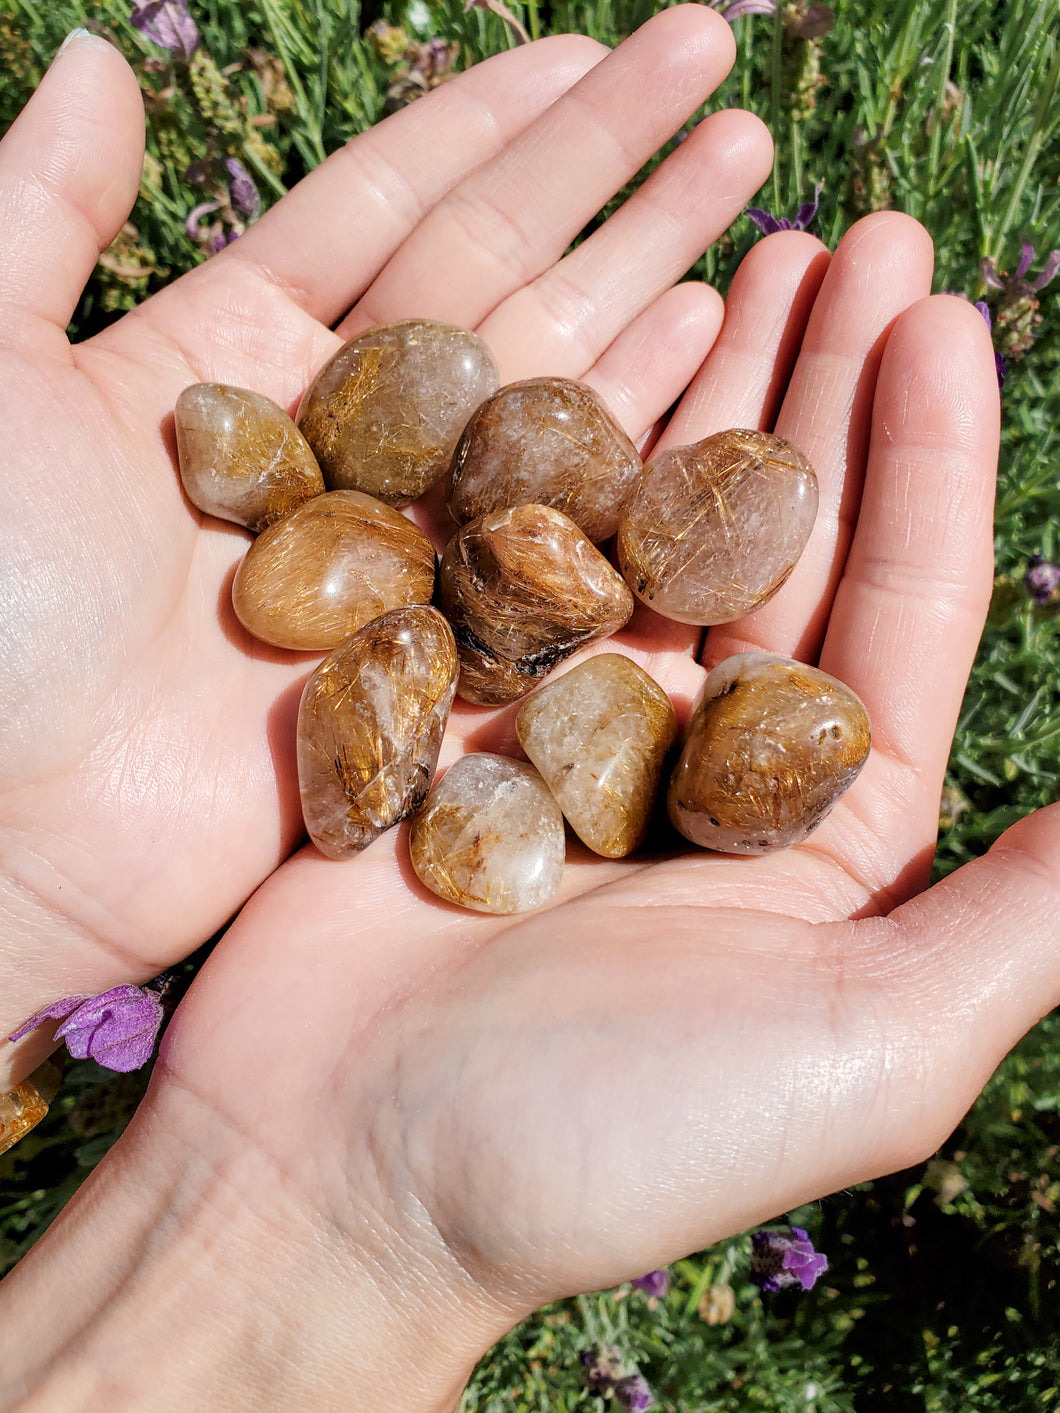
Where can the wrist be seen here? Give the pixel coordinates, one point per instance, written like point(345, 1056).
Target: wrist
point(192, 1277)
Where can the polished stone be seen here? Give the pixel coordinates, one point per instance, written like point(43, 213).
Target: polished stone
point(22, 1108)
point(599, 736)
point(241, 456)
point(770, 746)
point(713, 530)
point(545, 441)
point(370, 725)
point(490, 837)
point(385, 413)
point(523, 589)
point(329, 568)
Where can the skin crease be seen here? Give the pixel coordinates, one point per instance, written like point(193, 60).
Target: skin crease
point(382, 1129)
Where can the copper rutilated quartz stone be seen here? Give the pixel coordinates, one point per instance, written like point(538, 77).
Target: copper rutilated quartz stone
point(546, 441)
point(241, 456)
point(370, 725)
point(713, 530)
point(599, 736)
point(329, 568)
point(523, 589)
point(22, 1108)
point(770, 746)
point(385, 414)
point(490, 837)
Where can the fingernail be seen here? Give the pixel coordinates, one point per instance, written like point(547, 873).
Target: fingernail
point(76, 36)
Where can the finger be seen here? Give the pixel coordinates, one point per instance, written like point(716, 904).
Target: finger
point(514, 217)
point(645, 369)
point(744, 378)
point(329, 237)
point(564, 318)
point(69, 171)
point(910, 607)
point(882, 266)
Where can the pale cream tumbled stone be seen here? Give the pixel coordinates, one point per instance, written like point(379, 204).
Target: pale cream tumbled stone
point(599, 736)
point(490, 836)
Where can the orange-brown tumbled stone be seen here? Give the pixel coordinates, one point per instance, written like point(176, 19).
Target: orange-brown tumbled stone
point(370, 726)
point(713, 530)
point(770, 746)
point(523, 589)
point(22, 1108)
point(330, 567)
point(545, 441)
point(385, 413)
point(241, 456)
point(490, 837)
point(599, 735)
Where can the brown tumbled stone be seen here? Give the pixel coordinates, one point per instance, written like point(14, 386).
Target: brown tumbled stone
point(523, 589)
point(599, 736)
point(490, 837)
point(241, 456)
point(370, 725)
point(545, 441)
point(713, 530)
point(770, 746)
point(330, 567)
point(385, 413)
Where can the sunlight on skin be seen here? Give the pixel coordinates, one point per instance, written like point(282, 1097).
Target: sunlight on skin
point(375, 1112)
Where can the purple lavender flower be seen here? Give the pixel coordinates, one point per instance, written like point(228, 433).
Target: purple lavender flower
point(999, 362)
point(655, 1284)
point(634, 1393)
point(782, 1257)
point(117, 1029)
point(168, 24)
point(1042, 580)
point(243, 196)
point(804, 217)
point(993, 278)
point(604, 1368)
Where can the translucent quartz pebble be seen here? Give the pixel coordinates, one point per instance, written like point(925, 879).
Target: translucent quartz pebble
point(546, 441)
point(490, 837)
point(22, 1108)
point(330, 567)
point(370, 725)
point(770, 746)
point(599, 735)
point(241, 456)
point(523, 589)
point(713, 530)
point(385, 414)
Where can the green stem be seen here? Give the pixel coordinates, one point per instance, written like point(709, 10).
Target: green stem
point(940, 99)
point(1030, 154)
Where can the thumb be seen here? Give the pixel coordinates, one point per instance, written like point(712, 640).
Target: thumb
point(984, 951)
point(69, 171)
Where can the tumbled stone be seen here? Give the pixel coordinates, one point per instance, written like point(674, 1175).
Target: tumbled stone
point(385, 413)
point(241, 456)
point(330, 567)
point(490, 836)
point(523, 589)
point(22, 1108)
point(713, 530)
point(599, 736)
point(770, 746)
point(370, 725)
point(545, 441)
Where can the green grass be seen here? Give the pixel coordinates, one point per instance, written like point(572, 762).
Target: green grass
point(942, 1293)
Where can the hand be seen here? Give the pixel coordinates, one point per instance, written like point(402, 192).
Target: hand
point(146, 759)
point(396, 1127)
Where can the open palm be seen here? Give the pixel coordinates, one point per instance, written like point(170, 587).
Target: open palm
point(466, 1115)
